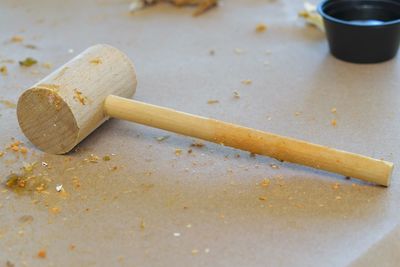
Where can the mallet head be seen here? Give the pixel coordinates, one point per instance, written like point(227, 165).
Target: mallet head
point(62, 109)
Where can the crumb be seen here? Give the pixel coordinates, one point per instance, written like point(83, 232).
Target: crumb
point(195, 251)
point(28, 62)
point(10, 264)
point(274, 166)
point(247, 82)
point(263, 198)
point(30, 46)
point(1, 154)
point(297, 113)
point(197, 144)
point(335, 186)
point(211, 52)
point(162, 138)
point(212, 101)
point(177, 234)
point(178, 152)
point(59, 187)
point(75, 182)
point(190, 151)
point(23, 150)
point(265, 183)
point(17, 39)
point(45, 164)
point(79, 97)
point(311, 16)
point(261, 27)
point(42, 254)
point(3, 70)
point(338, 197)
point(206, 250)
point(96, 61)
point(333, 110)
point(106, 158)
point(333, 122)
point(72, 247)
point(236, 95)
point(15, 146)
point(92, 159)
point(142, 224)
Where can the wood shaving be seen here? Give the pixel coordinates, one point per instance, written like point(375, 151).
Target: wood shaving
point(212, 101)
point(28, 62)
point(79, 97)
point(3, 70)
point(261, 27)
point(201, 5)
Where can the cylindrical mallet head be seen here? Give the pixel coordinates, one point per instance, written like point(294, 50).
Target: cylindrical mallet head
point(62, 109)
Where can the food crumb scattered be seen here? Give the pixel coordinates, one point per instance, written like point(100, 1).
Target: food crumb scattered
point(206, 250)
point(96, 61)
point(333, 122)
point(333, 110)
point(79, 97)
point(261, 27)
point(238, 51)
point(195, 251)
point(178, 152)
point(212, 101)
point(44, 164)
point(46, 65)
point(274, 166)
point(335, 186)
point(338, 197)
point(72, 247)
point(162, 138)
point(55, 210)
point(42, 253)
point(311, 16)
point(247, 82)
point(3, 70)
point(197, 144)
point(106, 158)
point(59, 187)
point(265, 183)
point(211, 52)
point(142, 224)
point(202, 5)
point(177, 234)
point(263, 198)
point(27, 62)
point(17, 39)
point(23, 150)
point(1, 154)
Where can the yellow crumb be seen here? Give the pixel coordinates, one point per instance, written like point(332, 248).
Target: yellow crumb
point(96, 61)
point(42, 253)
point(265, 183)
point(55, 210)
point(338, 197)
point(178, 152)
point(23, 150)
point(336, 186)
point(263, 198)
point(17, 39)
point(1, 153)
point(333, 110)
point(247, 82)
point(261, 27)
point(212, 101)
point(333, 122)
point(79, 97)
point(3, 70)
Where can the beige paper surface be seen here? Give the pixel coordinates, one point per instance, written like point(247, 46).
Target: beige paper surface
point(151, 205)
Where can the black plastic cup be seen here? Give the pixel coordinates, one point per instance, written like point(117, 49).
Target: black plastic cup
point(362, 31)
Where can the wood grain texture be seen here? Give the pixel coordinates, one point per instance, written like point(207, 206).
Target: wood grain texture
point(62, 109)
point(255, 141)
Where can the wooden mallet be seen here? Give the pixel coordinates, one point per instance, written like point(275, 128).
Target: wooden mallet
point(62, 109)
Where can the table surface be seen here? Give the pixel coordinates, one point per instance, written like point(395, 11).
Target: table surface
point(150, 206)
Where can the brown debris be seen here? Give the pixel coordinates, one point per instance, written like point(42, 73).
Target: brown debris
point(16, 39)
point(28, 62)
point(197, 144)
point(3, 70)
point(79, 97)
point(261, 27)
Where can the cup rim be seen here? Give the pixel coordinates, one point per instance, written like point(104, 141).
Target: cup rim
point(320, 10)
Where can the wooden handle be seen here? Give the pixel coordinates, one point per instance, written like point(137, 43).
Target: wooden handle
point(255, 141)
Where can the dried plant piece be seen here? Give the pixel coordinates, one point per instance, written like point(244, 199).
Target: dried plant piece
point(212, 101)
point(3, 70)
point(79, 97)
point(311, 16)
point(261, 27)
point(28, 62)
